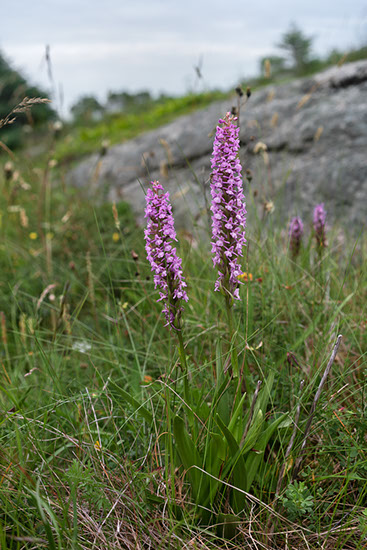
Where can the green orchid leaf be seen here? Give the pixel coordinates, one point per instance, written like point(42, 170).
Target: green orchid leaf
point(254, 458)
point(190, 457)
point(254, 432)
point(235, 468)
point(235, 424)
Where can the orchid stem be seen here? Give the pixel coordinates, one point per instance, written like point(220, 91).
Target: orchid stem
point(234, 358)
point(182, 353)
point(181, 350)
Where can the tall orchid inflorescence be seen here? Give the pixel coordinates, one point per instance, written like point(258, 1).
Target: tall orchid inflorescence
point(295, 235)
point(165, 263)
point(228, 207)
point(319, 220)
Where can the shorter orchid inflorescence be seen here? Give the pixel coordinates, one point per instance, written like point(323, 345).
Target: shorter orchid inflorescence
point(228, 207)
point(295, 235)
point(166, 265)
point(319, 221)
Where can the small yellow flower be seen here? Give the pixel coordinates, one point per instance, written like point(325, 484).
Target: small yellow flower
point(245, 277)
point(115, 237)
point(97, 446)
point(33, 235)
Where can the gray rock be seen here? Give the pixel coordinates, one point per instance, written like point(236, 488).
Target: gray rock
point(315, 131)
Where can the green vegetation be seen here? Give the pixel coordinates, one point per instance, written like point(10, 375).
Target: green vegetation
point(99, 448)
point(119, 127)
point(107, 439)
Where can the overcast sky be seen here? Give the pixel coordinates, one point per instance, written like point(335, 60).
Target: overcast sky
point(101, 45)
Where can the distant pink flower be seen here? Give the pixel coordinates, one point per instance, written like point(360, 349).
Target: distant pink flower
point(165, 263)
point(319, 220)
point(228, 207)
point(295, 235)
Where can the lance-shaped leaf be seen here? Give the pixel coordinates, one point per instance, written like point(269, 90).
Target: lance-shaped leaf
point(190, 458)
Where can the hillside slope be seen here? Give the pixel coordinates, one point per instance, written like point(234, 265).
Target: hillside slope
point(314, 131)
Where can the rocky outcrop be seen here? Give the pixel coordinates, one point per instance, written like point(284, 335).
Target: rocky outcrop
point(304, 142)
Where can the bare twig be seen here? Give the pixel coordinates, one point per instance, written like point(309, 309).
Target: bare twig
point(313, 407)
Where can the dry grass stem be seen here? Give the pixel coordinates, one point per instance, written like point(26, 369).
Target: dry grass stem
point(23, 107)
point(313, 407)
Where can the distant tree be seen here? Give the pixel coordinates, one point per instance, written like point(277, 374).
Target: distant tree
point(142, 98)
point(87, 109)
point(13, 89)
point(298, 46)
point(119, 101)
point(125, 101)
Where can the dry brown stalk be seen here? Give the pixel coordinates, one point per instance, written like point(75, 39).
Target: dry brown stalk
point(291, 441)
point(314, 404)
point(23, 107)
point(115, 216)
point(44, 294)
point(4, 336)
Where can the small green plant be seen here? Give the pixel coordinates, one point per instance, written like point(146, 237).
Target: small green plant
point(297, 500)
point(83, 486)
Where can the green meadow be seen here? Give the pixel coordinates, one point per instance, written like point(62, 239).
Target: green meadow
point(116, 432)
